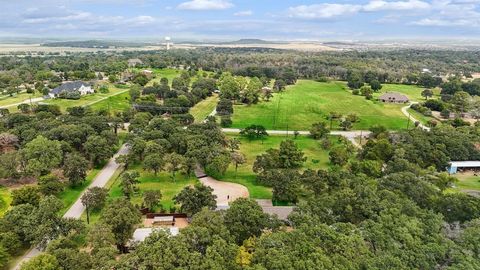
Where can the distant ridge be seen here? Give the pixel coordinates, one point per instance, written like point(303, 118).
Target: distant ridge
point(250, 41)
point(101, 44)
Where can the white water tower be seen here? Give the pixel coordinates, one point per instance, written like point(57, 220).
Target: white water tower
point(168, 42)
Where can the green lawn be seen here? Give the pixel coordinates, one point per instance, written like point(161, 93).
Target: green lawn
point(5, 200)
point(71, 194)
point(17, 98)
point(162, 182)
point(159, 73)
point(113, 104)
point(88, 100)
point(420, 117)
point(468, 182)
point(317, 158)
point(413, 92)
point(204, 108)
point(307, 102)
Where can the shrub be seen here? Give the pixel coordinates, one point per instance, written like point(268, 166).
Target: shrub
point(435, 105)
point(356, 92)
point(226, 121)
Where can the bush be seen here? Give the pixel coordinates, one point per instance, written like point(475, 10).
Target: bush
point(459, 122)
point(69, 95)
point(445, 114)
point(356, 92)
point(226, 121)
point(435, 105)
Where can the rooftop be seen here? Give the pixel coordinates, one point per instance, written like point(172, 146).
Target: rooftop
point(472, 163)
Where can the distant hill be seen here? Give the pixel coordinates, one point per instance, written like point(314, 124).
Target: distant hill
point(249, 41)
point(102, 44)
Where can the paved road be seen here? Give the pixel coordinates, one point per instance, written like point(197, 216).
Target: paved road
point(76, 210)
point(350, 135)
point(33, 100)
point(407, 114)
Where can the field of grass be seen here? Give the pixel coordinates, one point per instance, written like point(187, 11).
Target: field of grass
point(204, 108)
point(162, 182)
point(420, 117)
point(468, 182)
point(413, 92)
point(307, 102)
point(5, 200)
point(113, 104)
point(159, 73)
point(17, 98)
point(88, 100)
point(317, 158)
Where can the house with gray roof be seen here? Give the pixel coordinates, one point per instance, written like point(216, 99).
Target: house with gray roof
point(392, 97)
point(69, 87)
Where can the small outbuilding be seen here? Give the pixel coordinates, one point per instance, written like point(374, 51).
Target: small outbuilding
point(454, 166)
point(393, 98)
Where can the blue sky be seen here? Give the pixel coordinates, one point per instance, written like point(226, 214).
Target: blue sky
point(232, 19)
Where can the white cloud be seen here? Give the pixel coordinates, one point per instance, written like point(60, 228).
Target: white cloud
point(380, 5)
point(243, 13)
point(322, 11)
point(441, 22)
point(206, 5)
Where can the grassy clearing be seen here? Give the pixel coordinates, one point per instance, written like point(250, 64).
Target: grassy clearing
point(159, 73)
point(17, 98)
point(162, 182)
point(113, 104)
point(413, 92)
point(5, 200)
point(468, 181)
point(420, 117)
point(203, 109)
point(308, 102)
point(317, 158)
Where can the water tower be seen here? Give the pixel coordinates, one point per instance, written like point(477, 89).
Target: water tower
point(168, 42)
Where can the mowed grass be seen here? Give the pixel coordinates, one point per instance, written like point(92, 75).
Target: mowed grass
point(317, 158)
point(159, 73)
point(308, 102)
point(71, 194)
point(204, 108)
point(162, 182)
point(17, 98)
point(117, 103)
point(468, 182)
point(413, 92)
point(87, 100)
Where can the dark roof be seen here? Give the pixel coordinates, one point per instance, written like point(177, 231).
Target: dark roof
point(69, 87)
point(393, 97)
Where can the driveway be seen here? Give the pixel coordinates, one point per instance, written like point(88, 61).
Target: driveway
point(225, 191)
point(27, 101)
point(407, 114)
point(350, 135)
point(76, 210)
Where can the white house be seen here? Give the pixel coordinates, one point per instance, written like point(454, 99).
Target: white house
point(82, 87)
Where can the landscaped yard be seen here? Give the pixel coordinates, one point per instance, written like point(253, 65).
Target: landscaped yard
point(204, 108)
point(317, 158)
point(162, 182)
point(113, 104)
point(159, 73)
point(307, 102)
point(90, 100)
point(468, 181)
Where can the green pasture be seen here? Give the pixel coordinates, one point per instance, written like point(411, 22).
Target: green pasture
point(204, 108)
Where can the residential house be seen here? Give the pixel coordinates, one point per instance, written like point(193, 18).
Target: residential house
point(393, 98)
point(69, 87)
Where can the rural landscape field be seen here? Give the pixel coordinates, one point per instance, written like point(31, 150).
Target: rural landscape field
point(236, 135)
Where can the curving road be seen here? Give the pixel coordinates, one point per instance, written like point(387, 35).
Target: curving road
point(407, 114)
point(76, 210)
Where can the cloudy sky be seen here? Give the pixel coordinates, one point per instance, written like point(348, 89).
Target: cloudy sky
point(231, 19)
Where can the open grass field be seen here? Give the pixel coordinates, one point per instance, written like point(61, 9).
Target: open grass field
point(159, 73)
point(413, 92)
point(468, 181)
point(204, 108)
point(17, 98)
point(317, 158)
point(307, 102)
point(117, 103)
point(162, 182)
